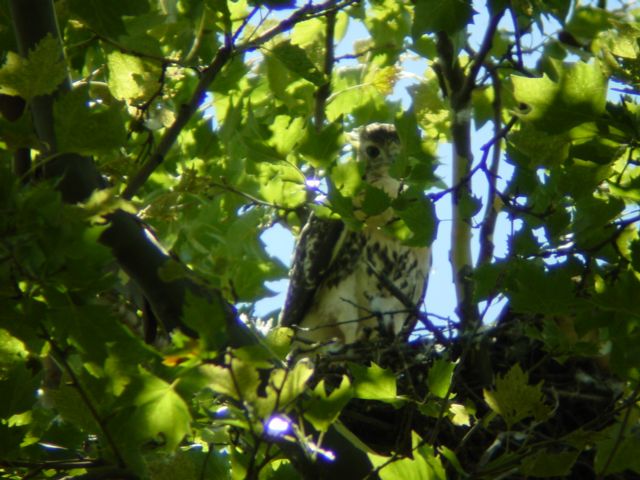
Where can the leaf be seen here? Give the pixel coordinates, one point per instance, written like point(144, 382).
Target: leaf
point(297, 61)
point(578, 96)
point(323, 409)
point(321, 149)
point(107, 17)
point(514, 399)
point(535, 290)
point(617, 453)
point(432, 16)
point(374, 382)
point(542, 148)
point(425, 464)
point(375, 200)
point(545, 464)
point(439, 377)
point(207, 318)
point(87, 128)
point(418, 222)
point(460, 415)
point(131, 78)
point(239, 381)
point(151, 410)
point(39, 74)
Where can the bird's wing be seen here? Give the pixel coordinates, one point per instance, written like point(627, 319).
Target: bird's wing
point(313, 256)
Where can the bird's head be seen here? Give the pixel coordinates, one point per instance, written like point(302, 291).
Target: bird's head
point(378, 148)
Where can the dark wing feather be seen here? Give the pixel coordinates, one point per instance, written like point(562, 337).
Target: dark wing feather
point(312, 259)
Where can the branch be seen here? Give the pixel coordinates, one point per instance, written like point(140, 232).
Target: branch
point(479, 58)
point(329, 59)
point(60, 356)
point(307, 12)
point(412, 307)
point(491, 213)
point(138, 256)
point(224, 55)
point(184, 115)
point(462, 158)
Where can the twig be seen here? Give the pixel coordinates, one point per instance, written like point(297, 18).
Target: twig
point(412, 307)
point(329, 59)
point(479, 58)
point(487, 230)
point(251, 198)
point(307, 12)
point(184, 115)
point(209, 74)
point(85, 398)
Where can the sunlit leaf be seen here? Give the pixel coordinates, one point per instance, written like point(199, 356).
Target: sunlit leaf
point(39, 74)
point(374, 382)
point(323, 409)
point(578, 96)
point(439, 378)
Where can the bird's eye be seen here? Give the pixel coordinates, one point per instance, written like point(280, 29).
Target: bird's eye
point(372, 151)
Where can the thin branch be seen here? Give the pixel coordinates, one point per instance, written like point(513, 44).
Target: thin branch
point(187, 110)
point(487, 230)
point(60, 355)
point(412, 307)
point(479, 58)
point(329, 59)
point(518, 34)
point(223, 56)
point(134, 52)
point(251, 198)
point(307, 12)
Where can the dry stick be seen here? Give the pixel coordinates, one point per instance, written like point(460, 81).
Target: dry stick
point(224, 54)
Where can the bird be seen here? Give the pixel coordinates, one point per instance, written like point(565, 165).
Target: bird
point(348, 283)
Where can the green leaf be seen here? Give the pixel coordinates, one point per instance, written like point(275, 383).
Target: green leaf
point(578, 96)
point(514, 399)
point(617, 452)
point(374, 382)
point(151, 410)
point(192, 463)
point(545, 464)
point(297, 61)
point(87, 128)
point(375, 200)
point(39, 74)
point(417, 225)
point(207, 318)
point(131, 78)
point(284, 386)
point(439, 377)
point(432, 16)
point(323, 409)
point(295, 381)
point(425, 464)
point(323, 148)
point(535, 290)
point(239, 381)
point(106, 18)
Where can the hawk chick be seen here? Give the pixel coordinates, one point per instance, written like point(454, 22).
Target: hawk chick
point(340, 277)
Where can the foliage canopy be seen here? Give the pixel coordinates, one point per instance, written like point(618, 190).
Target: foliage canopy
point(204, 122)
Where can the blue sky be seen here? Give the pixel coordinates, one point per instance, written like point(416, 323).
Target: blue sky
point(440, 299)
point(440, 294)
